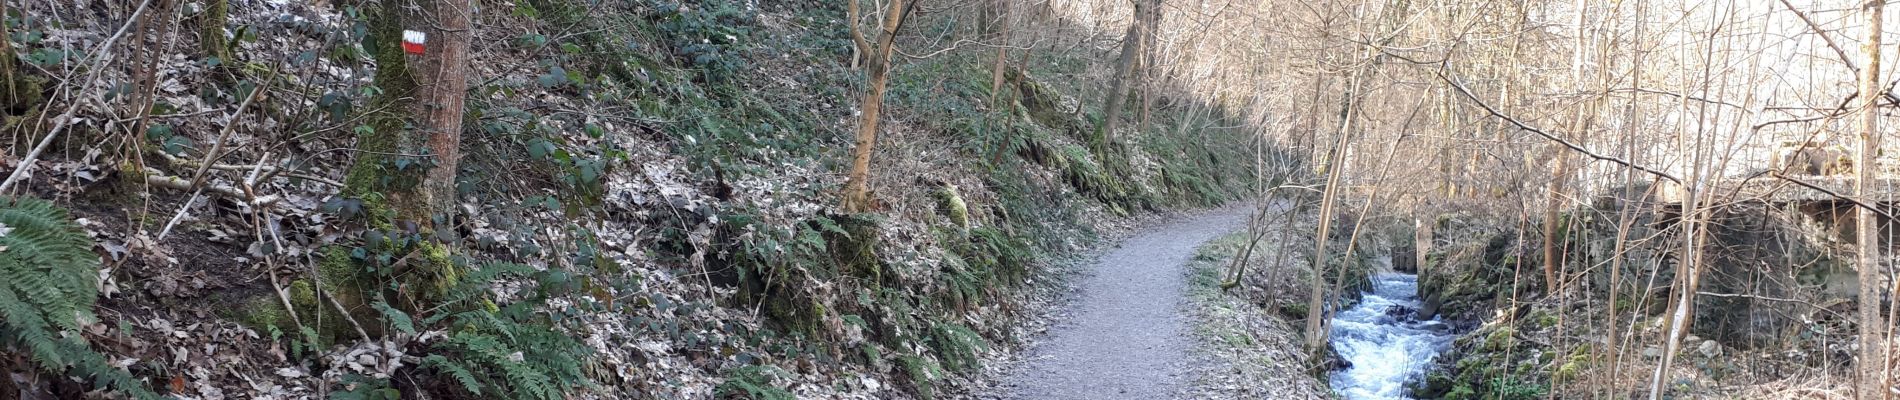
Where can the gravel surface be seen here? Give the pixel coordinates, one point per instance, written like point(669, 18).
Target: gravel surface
point(1126, 334)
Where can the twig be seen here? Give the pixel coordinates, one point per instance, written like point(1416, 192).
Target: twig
point(1774, 299)
point(230, 125)
point(1830, 193)
point(1572, 146)
point(211, 158)
point(340, 309)
point(181, 211)
point(65, 118)
point(960, 43)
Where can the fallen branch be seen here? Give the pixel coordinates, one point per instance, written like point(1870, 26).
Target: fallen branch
point(158, 178)
point(1774, 299)
point(269, 171)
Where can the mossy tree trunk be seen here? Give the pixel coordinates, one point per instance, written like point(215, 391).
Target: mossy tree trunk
point(857, 192)
point(413, 170)
point(1125, 70)
point(405, 166)
point(211, 31)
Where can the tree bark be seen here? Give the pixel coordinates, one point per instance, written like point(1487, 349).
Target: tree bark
point(211, 31)
point(859, 46)
point(444, 91)
point(1871, 382)
point(1335, 164)
point(431, 89)
point(857, 193)
point(1125, 70)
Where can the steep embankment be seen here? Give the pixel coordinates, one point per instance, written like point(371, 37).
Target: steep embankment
point(644, 208)
point(1769, 320)
point(1247, 345)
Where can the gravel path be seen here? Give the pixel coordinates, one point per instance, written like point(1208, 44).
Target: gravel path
point(1126, 334)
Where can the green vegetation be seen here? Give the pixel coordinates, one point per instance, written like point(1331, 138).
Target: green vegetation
point(48, 294)
point(511, 351)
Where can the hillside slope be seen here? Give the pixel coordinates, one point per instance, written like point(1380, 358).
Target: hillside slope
point(645, 206)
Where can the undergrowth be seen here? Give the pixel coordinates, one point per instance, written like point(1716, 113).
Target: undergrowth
point(51, 282)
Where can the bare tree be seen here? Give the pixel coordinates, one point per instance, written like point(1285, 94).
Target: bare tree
point(1126, 69)
point(857, 193)
point(1871, 376)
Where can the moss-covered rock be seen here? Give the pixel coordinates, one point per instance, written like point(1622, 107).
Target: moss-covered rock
point(950, 203)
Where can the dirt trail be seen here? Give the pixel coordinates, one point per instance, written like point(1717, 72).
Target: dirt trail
point(1126, 335)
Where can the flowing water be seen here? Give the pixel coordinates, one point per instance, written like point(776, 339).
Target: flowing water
point(1384, 342)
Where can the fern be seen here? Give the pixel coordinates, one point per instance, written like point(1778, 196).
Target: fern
point(461, 375)
point(957, 346)
point(505, 351)
point(753, 382)
point(49, 290)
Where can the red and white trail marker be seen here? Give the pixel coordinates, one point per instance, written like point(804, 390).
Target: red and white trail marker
point(412, 41)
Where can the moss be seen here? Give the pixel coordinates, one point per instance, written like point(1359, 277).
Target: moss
point(384, 135)
point(1293, 310)
point(1571, 368)
point(265, 312)
point(951, 204)
point(802, 316)
point(437, 270)
point(855, 249)
point(344, 281)
point(261, 313)
point(27, 94)
point(211, 31)
point(1500, 339)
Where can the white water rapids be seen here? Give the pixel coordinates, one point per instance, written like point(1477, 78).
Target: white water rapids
point(1384, 343)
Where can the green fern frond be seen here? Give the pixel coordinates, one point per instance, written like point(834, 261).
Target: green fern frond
point(461, 375)
point(49, 291)
point(754, 382)
point(506, 351)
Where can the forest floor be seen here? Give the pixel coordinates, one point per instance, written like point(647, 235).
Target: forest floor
point(1125, 333)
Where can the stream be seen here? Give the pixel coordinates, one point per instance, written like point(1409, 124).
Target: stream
point(1384, 342)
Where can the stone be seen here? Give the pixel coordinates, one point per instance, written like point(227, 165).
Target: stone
point(1709, 348)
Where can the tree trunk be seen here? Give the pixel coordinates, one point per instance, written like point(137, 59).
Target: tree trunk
point(1127, 68)
point(443, 90)
point(1871, 382)
point(1124, 69)
point(857, 193)
point(1002, 33)
point(1553, 215)
point(211, 31)
point(432, 90)
point(1334, 165)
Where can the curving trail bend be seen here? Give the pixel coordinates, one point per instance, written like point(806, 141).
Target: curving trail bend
point(1126, 335)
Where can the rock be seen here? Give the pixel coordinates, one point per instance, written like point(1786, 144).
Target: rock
point(1709, 348)
point(1429, 310)
point(1401, 313)
point(1333, 361)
